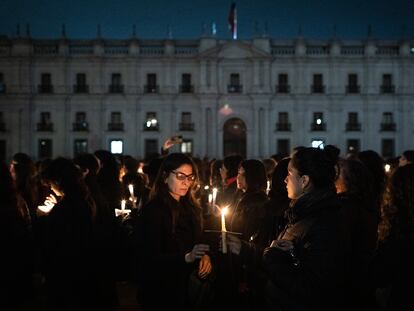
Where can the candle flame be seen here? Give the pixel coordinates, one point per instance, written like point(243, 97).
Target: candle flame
point(224, 210)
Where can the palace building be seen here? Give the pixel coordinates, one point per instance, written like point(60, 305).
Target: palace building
point(257, 97)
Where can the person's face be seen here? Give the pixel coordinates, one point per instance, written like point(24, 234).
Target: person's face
point(241, 179)
point(12, 170)
point(340, 184)
point(180, 180)
point(402, 161)
point(295, 184)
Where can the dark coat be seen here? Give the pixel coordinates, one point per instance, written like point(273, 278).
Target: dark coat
point(311, 278)
point(169, 230)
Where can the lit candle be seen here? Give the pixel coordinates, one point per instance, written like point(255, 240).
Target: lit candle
point(214, 196)
point(123, 203)
point(131, 190)
point(268, 187)
point(210, 199)
point(223, 230)
point(387, 168)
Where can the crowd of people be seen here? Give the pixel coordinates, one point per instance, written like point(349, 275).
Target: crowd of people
point(311, 231)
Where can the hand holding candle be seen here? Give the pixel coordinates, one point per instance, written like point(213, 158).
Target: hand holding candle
point(224, 211)
point(48, 205)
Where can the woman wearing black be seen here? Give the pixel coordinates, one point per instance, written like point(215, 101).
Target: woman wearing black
point(66, 240)
point(306, 264)
point(170, 230)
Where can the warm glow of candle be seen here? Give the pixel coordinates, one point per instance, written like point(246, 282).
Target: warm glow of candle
point(123, 203)
point(210, 198)
point(214, 196)
point(387, 168)
point(131, 190)
point(224, 211)
point(268, 187)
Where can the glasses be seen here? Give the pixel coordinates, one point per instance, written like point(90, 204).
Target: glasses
point(181, 176)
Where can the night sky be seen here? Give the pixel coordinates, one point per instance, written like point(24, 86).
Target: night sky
point(389, 19)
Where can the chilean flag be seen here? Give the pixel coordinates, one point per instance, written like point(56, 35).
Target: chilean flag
point(232, 19)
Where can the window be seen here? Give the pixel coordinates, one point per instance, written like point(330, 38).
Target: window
point(186, 86)
point(388, 148)
point(151, 123)
point(318, 123)
point(81, 86)
point(116, 84)
point(352, 145)
point(388, 122)
point(151, 147)
point(80, 146)
point(116, 122)
point(318, 143)
point(2, 150)
point(186, 124)
point(353, 124)
point(80, 122)
point(234, 86)
point(283, 122)
point(2, 84)
point(187, 146)
point(116, 146)
point(387, 84)
point(46, 83)
point(45, 123)
point(352, 86)
point(283, 147)
point(151, 86)
point(2, 123)
point(45, 149)
point(317, 86)
point(283, 85)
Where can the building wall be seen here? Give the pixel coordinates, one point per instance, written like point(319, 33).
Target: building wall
point(210, 62)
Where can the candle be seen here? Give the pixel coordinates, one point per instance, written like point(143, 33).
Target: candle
point(268, 187)
point(223, 230)
point(210, 199)
point(214, 197)
point(123, 202)
point(387, 168)
point(131, 190)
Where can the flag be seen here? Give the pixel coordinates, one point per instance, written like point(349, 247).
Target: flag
point(232, 20)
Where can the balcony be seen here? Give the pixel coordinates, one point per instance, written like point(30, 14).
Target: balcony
point(317, 88)
point(80, 88)
point(353, 127)
point(283, 88)
point(186, 126)
point(80, 127)
point(186, 88)
point(283, 127)
point(151, 88)
point(115, 127)
point(2, 127)
point(234, 88)
point(45, 127)
point(151, 128)
point(45, 88)
point(318, 127)
point(2, 88)
point(353, 89)
point(116, 88)
point(387, 89)
point(388, 127)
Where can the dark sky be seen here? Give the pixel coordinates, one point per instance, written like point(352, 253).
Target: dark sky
point(316, 18)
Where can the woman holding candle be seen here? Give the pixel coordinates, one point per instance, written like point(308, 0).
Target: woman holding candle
point(66, 240)
point(170, 228)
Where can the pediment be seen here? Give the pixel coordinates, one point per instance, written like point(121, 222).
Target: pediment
point(235, 50)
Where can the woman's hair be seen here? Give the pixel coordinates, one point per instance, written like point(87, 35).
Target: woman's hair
point(231, 163)
point(170, 163)
point(397, 209)
point(357, 180)
point(8, 193)
point(280, 172)
point(255, 175)
point(317, 165)
point(24, 171)
point(215, 178)
point(87, 161)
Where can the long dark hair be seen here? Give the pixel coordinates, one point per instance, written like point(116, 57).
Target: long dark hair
point(317, 164)
point(397, 209)
point(278, 189)
point(169, 164)
point(255, 175)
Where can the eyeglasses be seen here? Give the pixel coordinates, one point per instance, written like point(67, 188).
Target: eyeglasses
point(181, 176)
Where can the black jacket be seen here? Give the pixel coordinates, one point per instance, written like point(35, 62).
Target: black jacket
point(311, 278)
